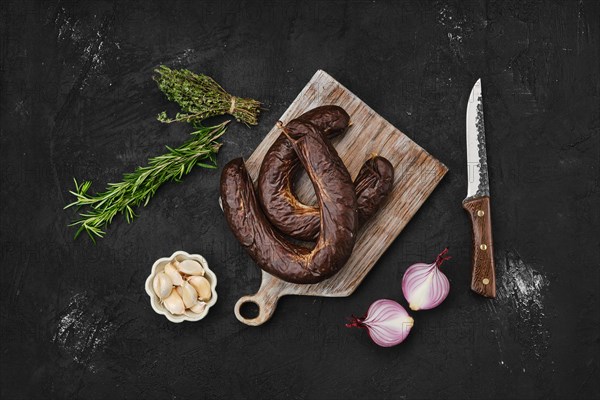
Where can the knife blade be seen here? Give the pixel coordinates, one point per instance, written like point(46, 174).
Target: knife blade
point(477, 202)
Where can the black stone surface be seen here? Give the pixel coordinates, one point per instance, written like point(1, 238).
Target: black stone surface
point(77, 100)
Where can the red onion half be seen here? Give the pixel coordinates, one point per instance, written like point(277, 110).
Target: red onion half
point(388, 323)
point(424, 285)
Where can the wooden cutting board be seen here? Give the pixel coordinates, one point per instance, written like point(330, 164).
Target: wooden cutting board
point(417, 173)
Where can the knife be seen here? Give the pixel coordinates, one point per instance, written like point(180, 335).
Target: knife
point(477, 202)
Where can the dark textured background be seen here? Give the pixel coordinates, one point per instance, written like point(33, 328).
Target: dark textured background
point(77, 100)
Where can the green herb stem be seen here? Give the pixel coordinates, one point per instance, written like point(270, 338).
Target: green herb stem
point(200, 97)
point(138, 187)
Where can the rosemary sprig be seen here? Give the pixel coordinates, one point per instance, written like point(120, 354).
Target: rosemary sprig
point(139, 186)
point(200, 97)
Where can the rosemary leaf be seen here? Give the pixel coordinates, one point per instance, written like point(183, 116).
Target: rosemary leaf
point(139, 186)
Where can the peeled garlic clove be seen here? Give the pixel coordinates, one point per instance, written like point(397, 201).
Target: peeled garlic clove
point(188, 294)
point(174, 303)
point(162, 285)
point(198, 308)
point(202, 286)
point(190, 267)
point(175, 276)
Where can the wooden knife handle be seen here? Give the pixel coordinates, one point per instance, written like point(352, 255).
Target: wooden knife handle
point(483, 276)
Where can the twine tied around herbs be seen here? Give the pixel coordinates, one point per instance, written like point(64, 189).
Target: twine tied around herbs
point(232, 107)
point(200, 97)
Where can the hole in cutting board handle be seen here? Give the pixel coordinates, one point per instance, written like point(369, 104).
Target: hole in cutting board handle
point(257, 309)
point(249, 310)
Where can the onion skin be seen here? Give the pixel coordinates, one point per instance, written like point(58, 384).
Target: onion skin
point(425, 286)
point(387, 322)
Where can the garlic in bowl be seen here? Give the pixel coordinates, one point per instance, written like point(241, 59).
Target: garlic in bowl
point(182, 287)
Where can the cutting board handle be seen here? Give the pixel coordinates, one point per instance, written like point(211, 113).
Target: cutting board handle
point(266, 299)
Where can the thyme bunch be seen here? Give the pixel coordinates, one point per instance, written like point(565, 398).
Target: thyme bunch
point(200, 97)
point(138, 187)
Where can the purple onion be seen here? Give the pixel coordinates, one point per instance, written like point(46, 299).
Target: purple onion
point(387, 322)
point(424, 285)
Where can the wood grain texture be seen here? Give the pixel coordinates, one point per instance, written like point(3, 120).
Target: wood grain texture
point(483, 276)
point(417, 173)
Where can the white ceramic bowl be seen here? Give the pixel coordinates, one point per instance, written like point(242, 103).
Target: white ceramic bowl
point(159, 266)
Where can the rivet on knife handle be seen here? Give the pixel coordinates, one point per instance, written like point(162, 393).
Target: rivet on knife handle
point(483, 277)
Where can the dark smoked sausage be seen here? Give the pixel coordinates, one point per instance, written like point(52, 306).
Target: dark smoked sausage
point(338, 213)
point(372, 185)
point(280, 168)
